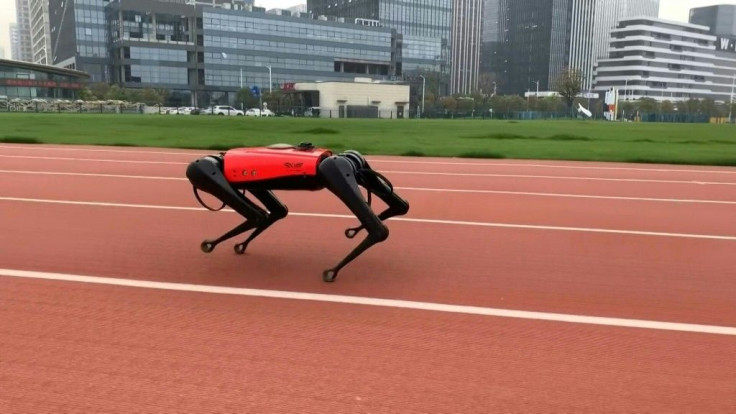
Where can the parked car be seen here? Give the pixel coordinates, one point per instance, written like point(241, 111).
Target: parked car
point(225, 110)
point(258, 112)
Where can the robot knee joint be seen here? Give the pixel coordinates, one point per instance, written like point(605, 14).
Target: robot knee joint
point(380, 233)
point(403, 208)
point(279, 214)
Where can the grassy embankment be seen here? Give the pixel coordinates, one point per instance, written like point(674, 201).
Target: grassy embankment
point(704, 144)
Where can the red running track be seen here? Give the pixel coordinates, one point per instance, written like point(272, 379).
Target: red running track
point(70, 346)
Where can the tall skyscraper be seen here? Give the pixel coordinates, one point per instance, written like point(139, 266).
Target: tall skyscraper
point(40, 31)
point(535, 40)
point(465, 50)
point(14, 42)
point(23, 20)
point(720, 18)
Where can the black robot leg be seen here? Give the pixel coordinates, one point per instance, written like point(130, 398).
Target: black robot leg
point(339, 177)
point(396, 206)
point(276, 209)
point(205, 174)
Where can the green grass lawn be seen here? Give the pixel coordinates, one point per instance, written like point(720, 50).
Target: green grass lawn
point(705, 144)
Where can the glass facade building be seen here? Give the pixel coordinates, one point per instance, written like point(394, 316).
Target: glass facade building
point(536, 40)
point(721, 19)
point(240, 47)
point(466, 41)
point(204, 54)
point(424, 25)
point(24, 80)
point(79, 36)
point(156, 44)
point(23, 30)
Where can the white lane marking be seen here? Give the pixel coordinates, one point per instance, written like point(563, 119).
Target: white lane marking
point(368, 301)
point(402, 160)
point(564, 195)
point(78, 174)
point(400, 219)
point(140, 150)
point(36, 157)
point(583, 167)
point(556, 177)
point(440, 190)
point(546, 177)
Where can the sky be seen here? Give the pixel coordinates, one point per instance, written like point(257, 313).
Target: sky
point(669, 9)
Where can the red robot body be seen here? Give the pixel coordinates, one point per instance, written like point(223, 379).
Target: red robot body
point(243, 165)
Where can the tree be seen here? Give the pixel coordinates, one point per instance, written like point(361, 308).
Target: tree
point(569, 85)
point(648, 106)
point(448, 103)
point(667, 107)
point(87, 95)
point(487, 84)
point(151, 97)
point(99, 90)
point(247, 98)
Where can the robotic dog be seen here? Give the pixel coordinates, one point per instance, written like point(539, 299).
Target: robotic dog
point(261, 170)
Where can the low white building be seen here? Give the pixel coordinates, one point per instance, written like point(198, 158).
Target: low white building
point(666, 60)
point(363, 98)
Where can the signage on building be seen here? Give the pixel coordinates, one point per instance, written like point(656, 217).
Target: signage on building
point(40, 83)
point(726, 44)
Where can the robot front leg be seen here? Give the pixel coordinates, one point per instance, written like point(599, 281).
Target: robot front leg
point(397, 206)
point(277, 211)
point(205, 174)
point(339, 177)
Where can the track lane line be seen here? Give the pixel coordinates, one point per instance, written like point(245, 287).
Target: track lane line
point(440, 190)
point(368, 301)
point(408, 160)
point(448, 174)
point(399, 219)
point(38, 157)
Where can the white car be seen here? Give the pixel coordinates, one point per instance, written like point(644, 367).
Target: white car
point(258, 112)
point(225, 110)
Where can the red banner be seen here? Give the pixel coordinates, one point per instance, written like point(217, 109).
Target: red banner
point(40, 83)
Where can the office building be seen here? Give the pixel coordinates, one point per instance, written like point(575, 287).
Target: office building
point(205, 54)
point(424, 28)
point(266, 50)
point(23, 28)
point(492, 30)
point(79, 36)
point(720, 18)
point(465, 50)
point(666, 60)
point(591, 25)
point(14, 42)
point(40, 31)
point(533, 41)
point(2, 52)
point(24, 80)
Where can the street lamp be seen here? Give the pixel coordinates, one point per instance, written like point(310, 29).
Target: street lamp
point(270, 82)
point(424, 81)
point(730, 107)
